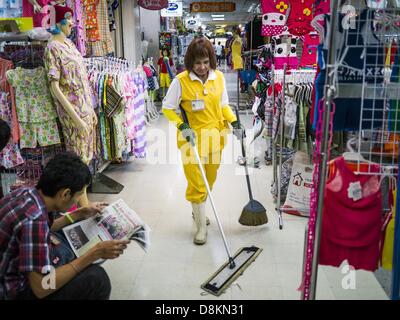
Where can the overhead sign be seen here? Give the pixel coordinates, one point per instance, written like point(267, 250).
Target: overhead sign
point(175, 9)
point(192, 24)
point(212, 6)
point(153, 4)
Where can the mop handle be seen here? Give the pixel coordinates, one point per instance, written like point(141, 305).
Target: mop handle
point(212, 202)
point(196, 153)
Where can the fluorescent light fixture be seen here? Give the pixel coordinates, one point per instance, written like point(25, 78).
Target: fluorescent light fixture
point(218, 19)
point(217, 15)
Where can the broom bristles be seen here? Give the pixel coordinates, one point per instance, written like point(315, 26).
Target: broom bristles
point(253, 219)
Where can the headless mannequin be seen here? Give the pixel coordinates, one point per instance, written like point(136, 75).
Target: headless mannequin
point(82, 126)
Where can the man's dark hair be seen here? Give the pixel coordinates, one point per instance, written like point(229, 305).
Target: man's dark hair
point(219, 42)
point(5, 134)
point(65, 171)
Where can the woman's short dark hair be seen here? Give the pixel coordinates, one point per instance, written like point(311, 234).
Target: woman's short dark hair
point(65, 171)
point(5, 134)
point(200, 47)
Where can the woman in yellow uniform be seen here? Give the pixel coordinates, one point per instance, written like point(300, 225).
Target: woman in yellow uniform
point(201, 92)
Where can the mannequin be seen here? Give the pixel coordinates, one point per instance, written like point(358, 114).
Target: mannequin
point(71, 90)
point(165, 79)
point(237, 50)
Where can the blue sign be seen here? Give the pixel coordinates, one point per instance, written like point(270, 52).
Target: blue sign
point(175, 9)
point(172, 6)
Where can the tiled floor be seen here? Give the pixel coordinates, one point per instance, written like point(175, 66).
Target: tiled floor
point(174, 267)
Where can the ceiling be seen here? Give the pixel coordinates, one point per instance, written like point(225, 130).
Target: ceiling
point(240, 16)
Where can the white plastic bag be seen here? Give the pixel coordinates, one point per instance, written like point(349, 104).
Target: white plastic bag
point(300, 183)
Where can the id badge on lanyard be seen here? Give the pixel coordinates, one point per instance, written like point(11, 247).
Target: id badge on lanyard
point(198, 104)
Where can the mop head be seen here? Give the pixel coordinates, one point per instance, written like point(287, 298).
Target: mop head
point(226, 275)
point(253, 214)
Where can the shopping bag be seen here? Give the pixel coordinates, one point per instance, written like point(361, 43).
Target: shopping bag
point(300, 184)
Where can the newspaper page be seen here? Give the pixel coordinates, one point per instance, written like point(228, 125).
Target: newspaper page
point(117, 221)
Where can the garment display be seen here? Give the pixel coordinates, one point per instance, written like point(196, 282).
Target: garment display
point(99, 42)
point(28, 11)
point(352, 219)
point(300, 17)
point(10, 156)
point(274, 17)
point(91, 20)
point(309, 52)
point(285, 53)
point(6, 65)
point(35, 108)
point(347, 110)
point(65, 64)
point(124, 130)
point(79, 31)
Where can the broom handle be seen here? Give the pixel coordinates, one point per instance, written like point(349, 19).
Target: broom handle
point(203, 174)
point(242, 143)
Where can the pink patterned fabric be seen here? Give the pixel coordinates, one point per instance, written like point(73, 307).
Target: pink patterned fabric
point(309, 54)
point(274, 17)
point(27, 11)
point(80, 24)
point(10, 156)
point(299, 22)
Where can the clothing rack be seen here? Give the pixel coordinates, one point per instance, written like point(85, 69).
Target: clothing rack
point(27, 164)
point(112, 66)
point(324, 135)
point(285, 77)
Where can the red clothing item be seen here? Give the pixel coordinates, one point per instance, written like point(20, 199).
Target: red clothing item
point(309, 55)
point(24, 240)
point(351, 230)
point(163, 65)
point(28, 11)
point(300, 17)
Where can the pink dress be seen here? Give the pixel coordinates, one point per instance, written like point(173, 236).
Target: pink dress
point(300, 17)
point(351, 224)
point(309, 54)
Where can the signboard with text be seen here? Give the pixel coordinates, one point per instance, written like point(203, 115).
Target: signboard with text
point(175, 9)
point(153, 4)
point(212, 7)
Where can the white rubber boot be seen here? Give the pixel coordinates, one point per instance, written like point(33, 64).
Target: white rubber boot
point(199, 212)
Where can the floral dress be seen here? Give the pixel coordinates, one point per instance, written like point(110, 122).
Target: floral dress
point(35, 108)
point(65, 64)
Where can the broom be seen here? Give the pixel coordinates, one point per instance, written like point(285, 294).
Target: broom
point(254, 213)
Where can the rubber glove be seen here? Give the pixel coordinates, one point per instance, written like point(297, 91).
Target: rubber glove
point(187, 132)
point(238, 130)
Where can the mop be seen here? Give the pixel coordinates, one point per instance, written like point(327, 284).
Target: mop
point(236, 264)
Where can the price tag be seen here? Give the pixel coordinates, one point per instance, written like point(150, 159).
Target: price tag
point(355, 191)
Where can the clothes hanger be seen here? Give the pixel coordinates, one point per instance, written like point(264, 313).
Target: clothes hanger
point(352, 155)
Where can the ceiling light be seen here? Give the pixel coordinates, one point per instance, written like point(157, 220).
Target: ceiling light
point(217, 15)
point(218, 19)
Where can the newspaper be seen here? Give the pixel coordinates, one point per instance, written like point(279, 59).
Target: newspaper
point(116, 222)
